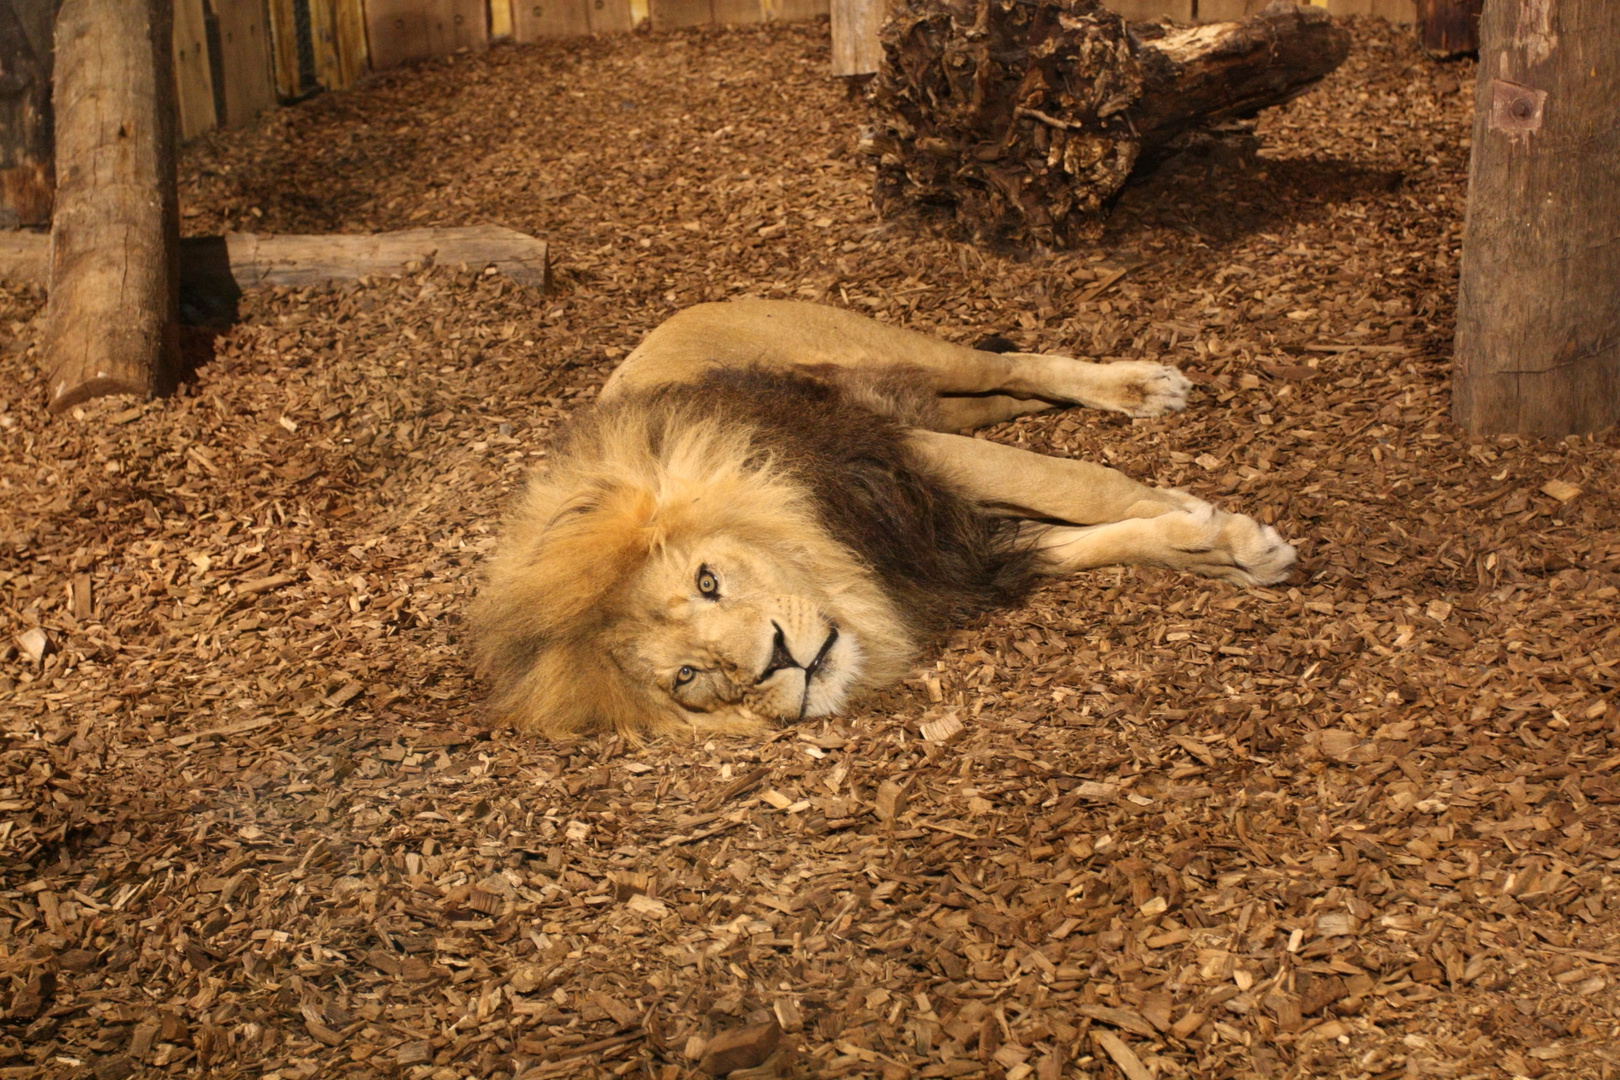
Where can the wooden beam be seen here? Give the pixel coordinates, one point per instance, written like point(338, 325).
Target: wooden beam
point(113, 322)
point(249, 260)
point(257, 261)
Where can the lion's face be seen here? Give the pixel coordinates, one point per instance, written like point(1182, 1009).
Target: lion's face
point(661, 577)
point(724, 627)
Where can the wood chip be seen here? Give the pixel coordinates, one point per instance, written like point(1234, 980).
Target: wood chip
point(1562, 490)
point(740, 1048)
point(1123, 1055)
point(890, 801)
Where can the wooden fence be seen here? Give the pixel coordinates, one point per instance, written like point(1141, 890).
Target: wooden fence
point(235, 58)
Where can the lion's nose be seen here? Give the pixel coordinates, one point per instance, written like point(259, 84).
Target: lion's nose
point(781, 658)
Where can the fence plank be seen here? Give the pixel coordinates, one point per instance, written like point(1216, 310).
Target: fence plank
point(536, 20)
point(404, 30)
point(193, 80)
point(244, 46)
point(795, 10)
point(609, 16)
point(354, 57)
point(500, 19)
point(738, 12)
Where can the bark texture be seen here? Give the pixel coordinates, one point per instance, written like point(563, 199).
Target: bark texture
point(1538, 313)
point(215, 270)
point(112, 325)
point(1022, 119)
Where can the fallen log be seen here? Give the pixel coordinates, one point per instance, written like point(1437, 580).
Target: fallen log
point(112, 325)
point(217, 269)
point(1021, 119)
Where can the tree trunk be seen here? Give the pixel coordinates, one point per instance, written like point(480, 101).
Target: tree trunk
point(112, 324)
point(1022, 119)
point(25, 112)
point(1538, 312)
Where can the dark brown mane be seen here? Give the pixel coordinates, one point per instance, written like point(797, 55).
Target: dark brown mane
point(939, 556)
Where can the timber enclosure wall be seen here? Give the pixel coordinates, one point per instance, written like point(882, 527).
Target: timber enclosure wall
point(233, 59)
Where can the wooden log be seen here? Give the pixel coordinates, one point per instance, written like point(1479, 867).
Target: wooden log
point(1022, 119)
point(217, 269)
point(26, 169)
point(1225, 71)
point(257, 261)
point(112, 324)
point(1537, 347)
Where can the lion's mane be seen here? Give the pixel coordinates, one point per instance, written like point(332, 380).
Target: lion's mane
point(814, 466)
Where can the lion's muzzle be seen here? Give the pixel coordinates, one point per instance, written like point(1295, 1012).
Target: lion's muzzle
point(805, 672)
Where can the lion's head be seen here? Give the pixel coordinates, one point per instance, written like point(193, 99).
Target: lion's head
point(664, 573)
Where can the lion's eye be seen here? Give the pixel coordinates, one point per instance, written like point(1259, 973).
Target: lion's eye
point(685, 675)
point(708, 585)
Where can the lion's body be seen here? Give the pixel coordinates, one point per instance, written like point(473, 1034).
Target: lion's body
point(761, 519)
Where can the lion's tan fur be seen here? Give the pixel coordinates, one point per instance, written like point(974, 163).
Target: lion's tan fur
point(591, 617)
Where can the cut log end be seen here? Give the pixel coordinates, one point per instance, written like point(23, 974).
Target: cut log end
point(71, 388)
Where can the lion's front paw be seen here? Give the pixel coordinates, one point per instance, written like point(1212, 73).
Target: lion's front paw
point(1232, 547)
point(1143, 388)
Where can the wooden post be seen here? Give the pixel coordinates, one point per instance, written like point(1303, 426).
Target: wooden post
point(25, 112)
point(112, 323)
point(1538, 312)
point(856, 26)
point(1448, 28)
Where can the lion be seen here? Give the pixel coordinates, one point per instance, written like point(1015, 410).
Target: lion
point(769, 512)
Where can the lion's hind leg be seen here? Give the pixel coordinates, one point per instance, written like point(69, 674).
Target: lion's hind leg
point(1198, 539)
